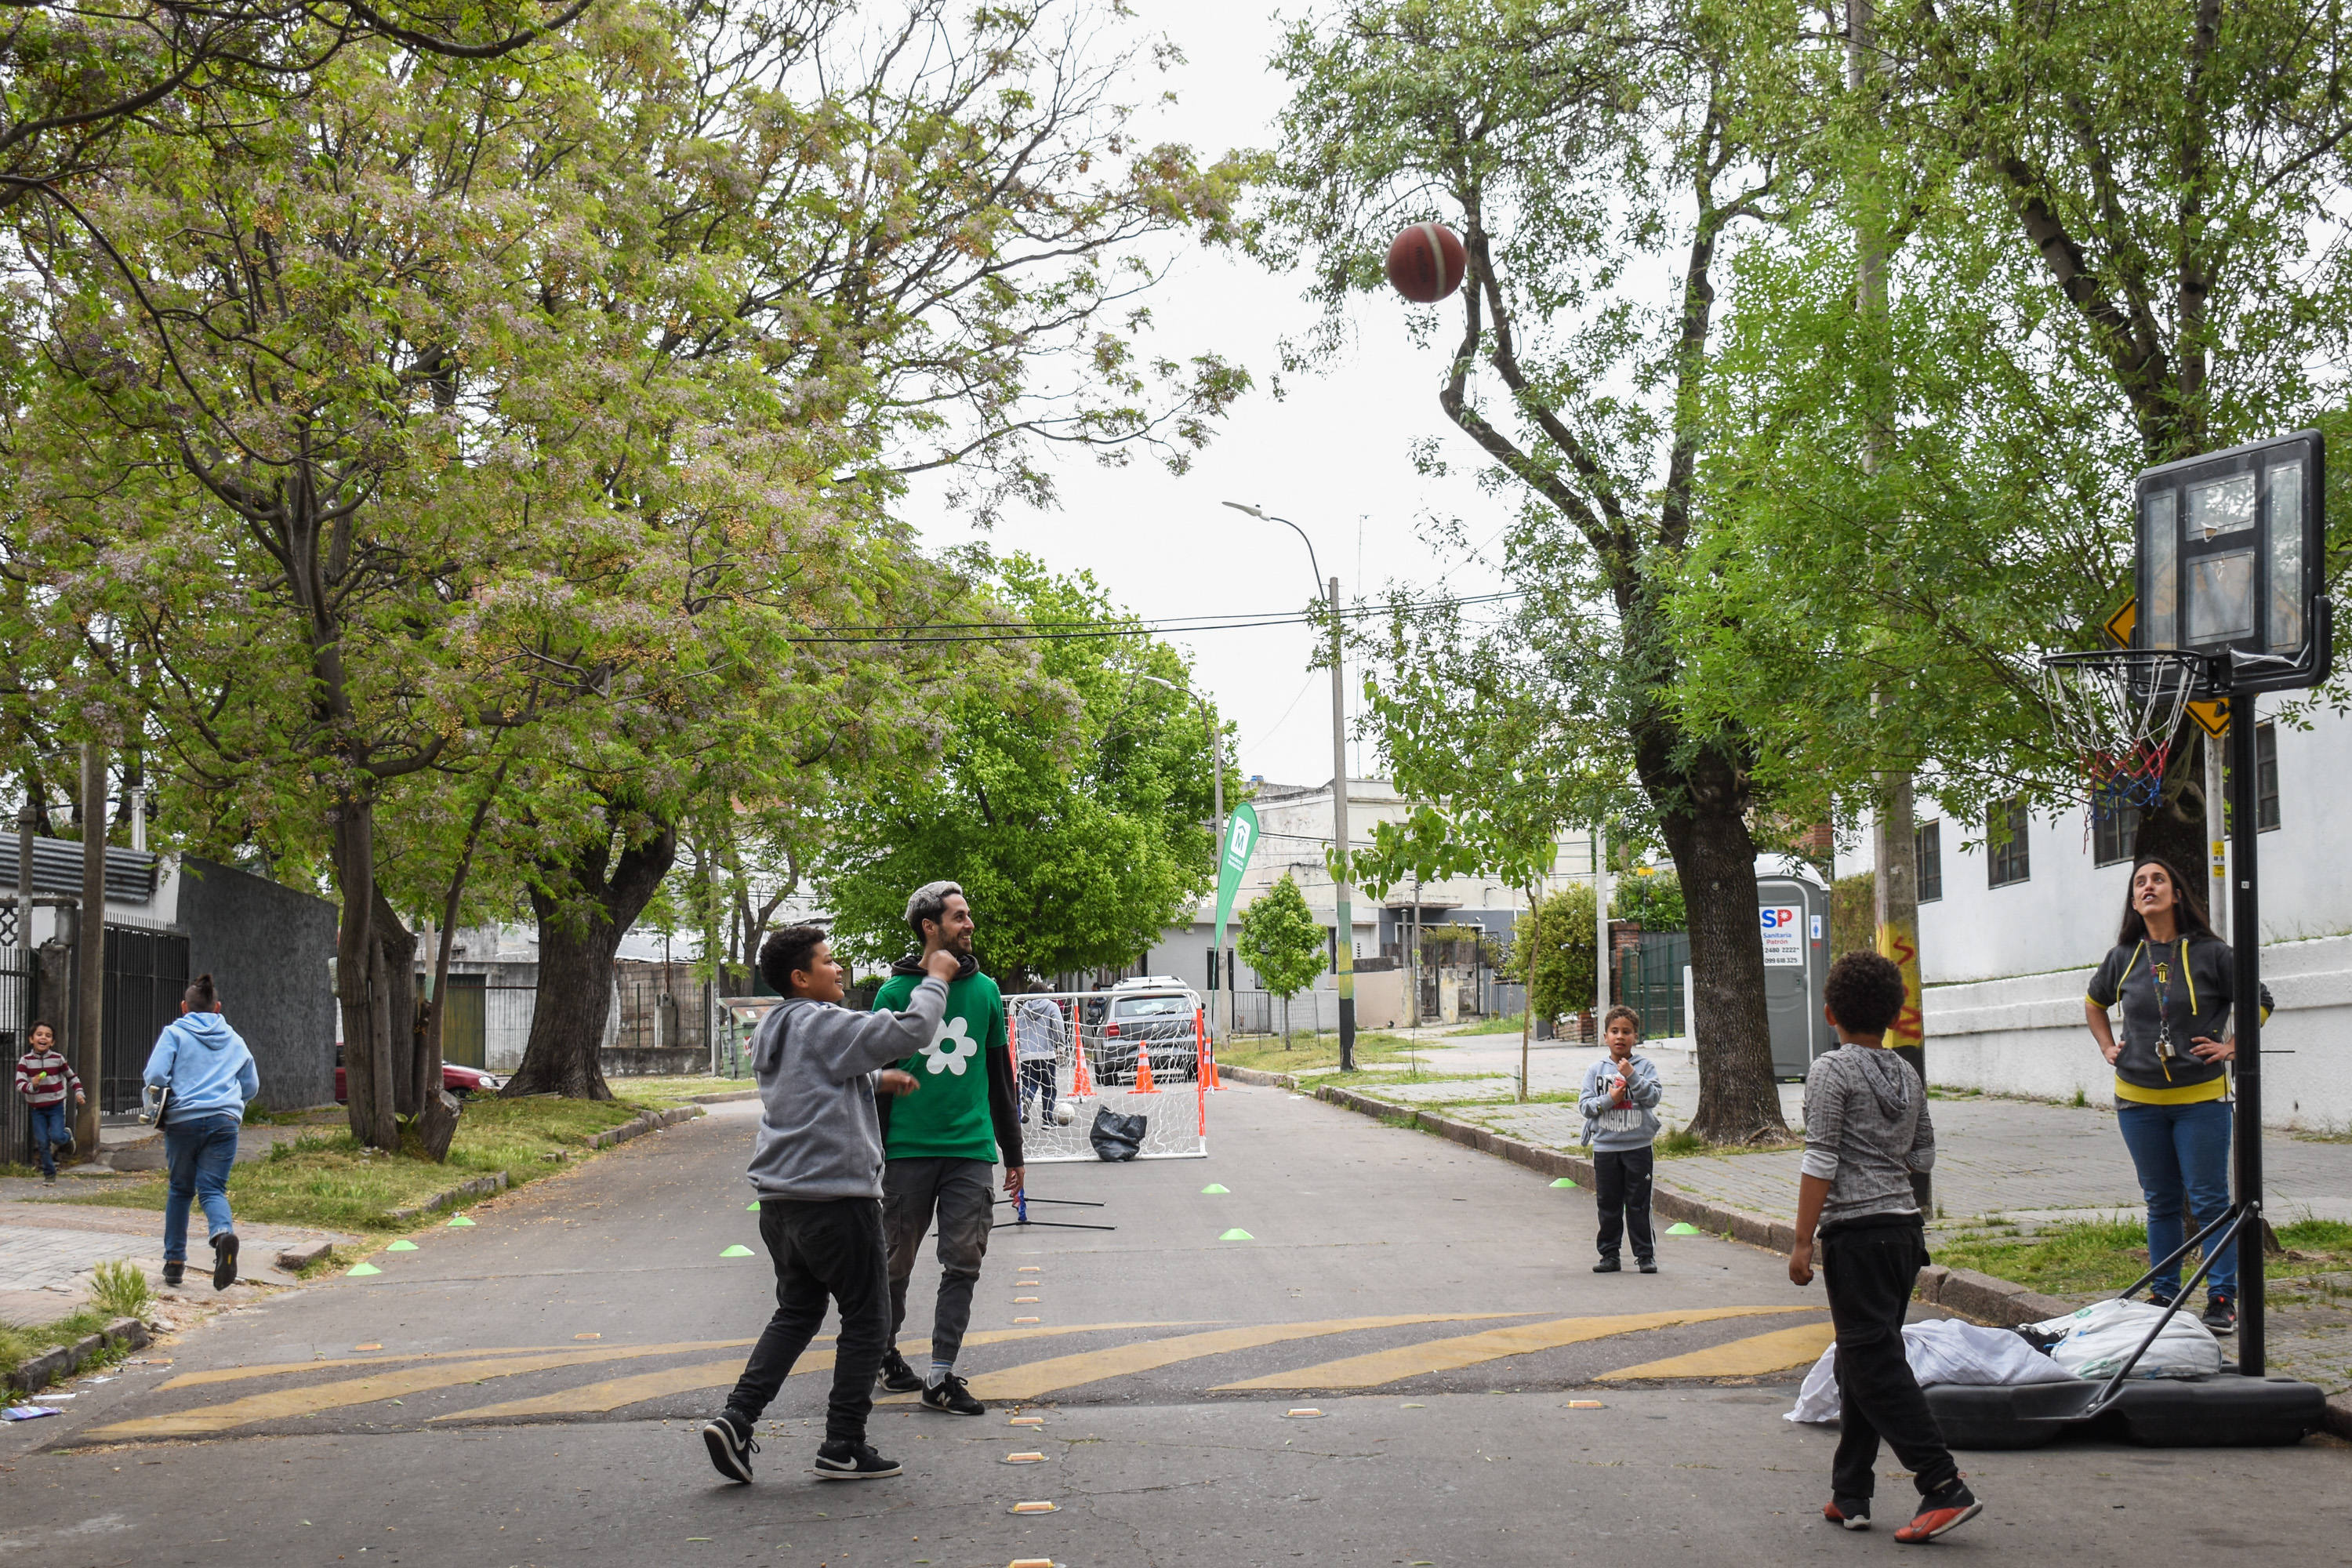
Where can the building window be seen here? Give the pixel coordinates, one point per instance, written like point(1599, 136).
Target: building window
point(1929, 838)
point(2005, 849)
point(2266, 801)
point(2115, 834)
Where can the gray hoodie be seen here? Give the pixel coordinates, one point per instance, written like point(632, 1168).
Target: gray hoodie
point(1866, 1130)
point(1607, 1125)
point(819, 1134)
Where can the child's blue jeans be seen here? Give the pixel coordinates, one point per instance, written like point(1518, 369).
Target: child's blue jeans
point(48, 1127)
point(198, 1152)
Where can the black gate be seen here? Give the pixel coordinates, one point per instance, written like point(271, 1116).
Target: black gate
point(19, 997)
point(146, 972)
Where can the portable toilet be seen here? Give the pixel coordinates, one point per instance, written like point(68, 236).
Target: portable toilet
point(1793, 913)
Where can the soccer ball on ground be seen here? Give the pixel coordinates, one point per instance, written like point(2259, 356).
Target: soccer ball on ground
point(1064, 1114)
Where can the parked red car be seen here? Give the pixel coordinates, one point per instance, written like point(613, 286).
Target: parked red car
point(459, 1081)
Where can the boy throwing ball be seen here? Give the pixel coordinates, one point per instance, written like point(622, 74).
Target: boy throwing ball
point(1866, 1130)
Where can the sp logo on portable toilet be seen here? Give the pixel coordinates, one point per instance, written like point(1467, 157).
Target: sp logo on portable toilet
point(1783, 928)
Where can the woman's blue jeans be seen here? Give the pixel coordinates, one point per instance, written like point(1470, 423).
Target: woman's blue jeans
point(198, 1152)
point(2182, 1150)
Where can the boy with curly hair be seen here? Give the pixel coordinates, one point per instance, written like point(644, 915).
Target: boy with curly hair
point(1866, 1131)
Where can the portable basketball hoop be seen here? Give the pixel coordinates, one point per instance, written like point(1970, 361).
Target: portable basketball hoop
point(2117, 711)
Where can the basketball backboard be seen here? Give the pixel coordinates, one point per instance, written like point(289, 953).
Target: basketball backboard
point(2230, 564)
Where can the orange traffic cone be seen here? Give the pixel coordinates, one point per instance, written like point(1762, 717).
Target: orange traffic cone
point(1082, 1083)
point(1143, 1084)
point(1205, 1053)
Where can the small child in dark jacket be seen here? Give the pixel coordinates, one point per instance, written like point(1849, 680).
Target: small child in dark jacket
point(1620, 1102)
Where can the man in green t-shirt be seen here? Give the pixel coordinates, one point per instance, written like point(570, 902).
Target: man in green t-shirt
point(940, 1147)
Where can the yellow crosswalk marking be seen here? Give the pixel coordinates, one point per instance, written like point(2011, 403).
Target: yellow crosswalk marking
point(284, 1402)
point(1041, 1377)
point(276, 1368)
point(1448, 1355)
point(1775, 1352)
point(596, 1397)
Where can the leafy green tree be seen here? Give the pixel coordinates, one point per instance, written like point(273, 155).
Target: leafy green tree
point(1555, 942)
point(1282, 943)
point(1652, 896)
point(1586, 154)
point(1073, 803)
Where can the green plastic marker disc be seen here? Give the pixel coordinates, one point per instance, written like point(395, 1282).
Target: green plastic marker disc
point(1237, 1236)
point(403, 1245)
point(461, 1219)
point(1563, 1181)
point(752, 1207)
point(366, 1269)
point(1212, 1187)
point(1682, 1228)
point(738, 1251)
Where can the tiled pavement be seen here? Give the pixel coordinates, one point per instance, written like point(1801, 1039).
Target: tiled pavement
point(48, 1250)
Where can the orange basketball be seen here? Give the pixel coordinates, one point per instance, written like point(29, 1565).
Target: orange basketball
point(1426, 263)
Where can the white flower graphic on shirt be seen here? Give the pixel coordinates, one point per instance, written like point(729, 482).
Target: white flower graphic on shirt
point(954, 1047)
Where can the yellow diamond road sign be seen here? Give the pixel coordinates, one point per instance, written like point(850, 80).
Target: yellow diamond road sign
point(2213, 717)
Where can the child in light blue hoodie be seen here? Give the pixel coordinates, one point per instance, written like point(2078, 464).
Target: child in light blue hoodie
point(207, 1076)
point(1620, 1102)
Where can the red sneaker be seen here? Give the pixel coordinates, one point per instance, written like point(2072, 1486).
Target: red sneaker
point(1847, 1515)
point(1933, 1521)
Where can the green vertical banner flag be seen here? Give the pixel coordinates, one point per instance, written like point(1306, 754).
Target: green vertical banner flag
point(1240, 842)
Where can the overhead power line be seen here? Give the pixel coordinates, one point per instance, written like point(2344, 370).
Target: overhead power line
point(1085, 631)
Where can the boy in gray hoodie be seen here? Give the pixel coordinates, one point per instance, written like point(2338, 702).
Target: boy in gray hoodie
point(1620, 1102)
point(817, 1166)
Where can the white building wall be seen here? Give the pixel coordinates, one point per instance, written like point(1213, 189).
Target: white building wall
point(2005, 968)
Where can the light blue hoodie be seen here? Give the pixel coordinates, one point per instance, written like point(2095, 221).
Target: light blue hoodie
point(206, 1065)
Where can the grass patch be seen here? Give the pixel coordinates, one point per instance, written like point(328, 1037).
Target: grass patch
point(325, 1180)
point(120, 1291)
point(21, 1344)
point(1508, 1023)
point(664, 1092)
point(1308, 1052)
point(2088, 1258)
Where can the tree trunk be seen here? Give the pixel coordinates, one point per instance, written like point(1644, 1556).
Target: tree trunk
point(2176, 827)
point(396, 957)
point(1707, 832)
point(367, 1053)
point(578, 937)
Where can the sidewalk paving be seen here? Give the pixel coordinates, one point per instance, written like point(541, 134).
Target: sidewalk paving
point(2024, 1161)
point(48, 1250)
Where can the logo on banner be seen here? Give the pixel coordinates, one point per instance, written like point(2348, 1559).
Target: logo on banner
point(1784, 936)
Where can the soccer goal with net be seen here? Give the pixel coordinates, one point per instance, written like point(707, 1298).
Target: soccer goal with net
point(1132, 1053)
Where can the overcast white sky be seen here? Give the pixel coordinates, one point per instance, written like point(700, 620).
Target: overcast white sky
point(1333, 455)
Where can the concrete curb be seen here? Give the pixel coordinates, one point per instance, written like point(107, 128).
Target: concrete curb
point(480, 1186)
point(1964, 1290)
point(294, 1259)
point(724, 1098)
point(638, 1127)
point(66, 1360)
point(2339, 1418)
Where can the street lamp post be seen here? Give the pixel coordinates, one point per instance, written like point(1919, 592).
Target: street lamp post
point(1344, 936)
point(1217, 768)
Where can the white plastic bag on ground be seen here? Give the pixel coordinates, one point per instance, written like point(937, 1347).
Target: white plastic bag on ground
point(2102, 1336)
point(1942, 1349)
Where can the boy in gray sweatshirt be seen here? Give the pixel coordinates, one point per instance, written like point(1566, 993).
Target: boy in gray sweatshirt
point(1620, 1102)
point(1866, 1131)
point(817, 1166)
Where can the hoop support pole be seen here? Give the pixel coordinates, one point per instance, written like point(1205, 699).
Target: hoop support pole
point(2246, 1015)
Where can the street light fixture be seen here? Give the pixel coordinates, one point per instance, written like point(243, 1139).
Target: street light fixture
point(1343, 938)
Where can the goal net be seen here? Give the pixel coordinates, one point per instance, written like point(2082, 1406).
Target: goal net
point(1132, 1053)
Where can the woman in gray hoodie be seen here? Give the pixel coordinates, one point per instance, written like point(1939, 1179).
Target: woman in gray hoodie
point(817, 1166)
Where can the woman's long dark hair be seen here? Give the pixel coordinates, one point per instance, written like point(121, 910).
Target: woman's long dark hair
point(2189, 905)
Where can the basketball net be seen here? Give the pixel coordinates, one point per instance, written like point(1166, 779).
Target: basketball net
point(2116, 712)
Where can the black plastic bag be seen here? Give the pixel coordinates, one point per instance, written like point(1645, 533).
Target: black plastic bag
point(1116, 1137)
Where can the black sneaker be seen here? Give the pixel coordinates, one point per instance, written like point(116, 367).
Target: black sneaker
point(173, 1274)
point(2156, 1299)
point(69, 1145)
point(896, 1375)
point(224, 1260)
point(1648, 1266)
point(840, 1460)
point(952, 1396)
point(2221, 1314)
point(728, 1438)
point(1608, 1265)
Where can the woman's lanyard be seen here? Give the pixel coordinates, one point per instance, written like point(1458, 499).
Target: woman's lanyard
point(2160, 970)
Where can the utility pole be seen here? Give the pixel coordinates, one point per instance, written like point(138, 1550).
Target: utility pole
point(1603, 960)
point(1345, 941)
point(89, 952)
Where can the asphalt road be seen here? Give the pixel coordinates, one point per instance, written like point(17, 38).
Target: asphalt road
point(526, 1390)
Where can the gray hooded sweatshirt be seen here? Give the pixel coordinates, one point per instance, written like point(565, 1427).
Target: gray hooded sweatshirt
point(1866, 1130)
point(819, 1134)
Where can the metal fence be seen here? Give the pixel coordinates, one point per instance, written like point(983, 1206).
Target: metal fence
point(17, 1002)
point(1650, 981)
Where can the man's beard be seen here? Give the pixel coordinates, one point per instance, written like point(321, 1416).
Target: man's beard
point(959, 945)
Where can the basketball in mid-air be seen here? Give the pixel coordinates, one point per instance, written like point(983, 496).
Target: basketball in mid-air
point(1426, 263)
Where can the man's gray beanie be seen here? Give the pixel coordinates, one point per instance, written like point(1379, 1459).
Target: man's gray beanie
point(928, 901)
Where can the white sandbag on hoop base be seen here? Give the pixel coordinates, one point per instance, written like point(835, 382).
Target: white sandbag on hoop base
point(2102, 1337)
point(1943, 1350)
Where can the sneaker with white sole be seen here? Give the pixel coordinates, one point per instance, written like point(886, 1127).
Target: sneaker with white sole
point(224, 1260)
point(951, 1396)
point(1847, 1514)
point(1941, 1515)
point(728, 1438)
point(842, 1461)
point(896, 1375)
